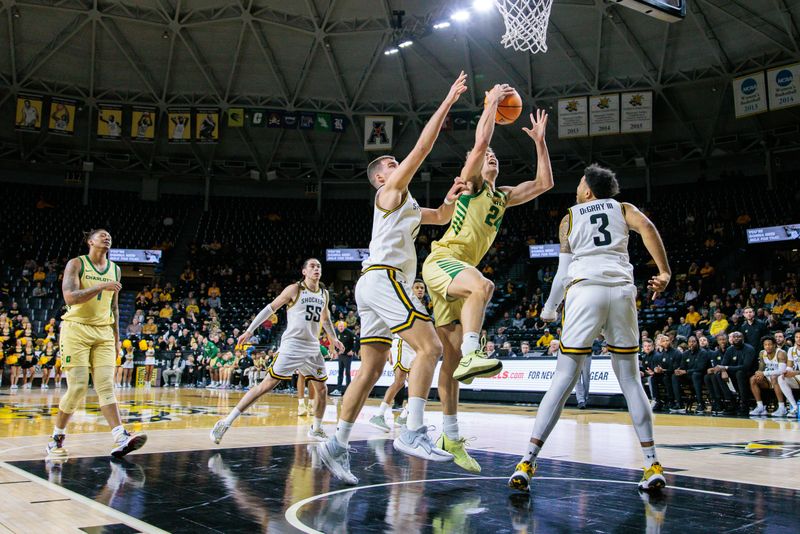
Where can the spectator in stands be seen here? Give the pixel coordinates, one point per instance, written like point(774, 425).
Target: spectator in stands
point(150, 328)
point(174, 369)
point(707, 272)
point(690, 297)
point(244, 363)
point(719, 324)
point(553, 349)
point(739, 364)
point(646, 365)
point(39, 291)
point(500, 337)
point(134, 328)
point(525, 350)
point(165, 313)
point(752, 329)
point(518, 321)
point(692, 317)
point(781, 342)
point(661, 375)
point(546, 338)
point(491, 351)
point(213, 302)
point(214, 290)
point(505, 322)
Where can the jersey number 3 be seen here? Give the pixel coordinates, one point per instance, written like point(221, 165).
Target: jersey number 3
point(313, 313)
point(605, 237)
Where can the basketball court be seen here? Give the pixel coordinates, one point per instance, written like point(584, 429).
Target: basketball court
point(724, 474)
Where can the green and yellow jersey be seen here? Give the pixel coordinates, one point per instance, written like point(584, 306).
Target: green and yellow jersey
point(476, 221)
point(98, 310)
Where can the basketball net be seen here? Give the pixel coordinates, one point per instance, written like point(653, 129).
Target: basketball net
point(526, 24)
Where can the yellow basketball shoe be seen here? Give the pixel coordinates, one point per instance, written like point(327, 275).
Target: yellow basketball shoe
point(458, 449)
point(475, 365)
point(653, 478)
point(521, 479)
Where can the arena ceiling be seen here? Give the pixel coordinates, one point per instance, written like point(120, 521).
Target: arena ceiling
point(328, 56)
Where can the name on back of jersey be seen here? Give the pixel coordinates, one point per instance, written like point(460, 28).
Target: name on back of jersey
point(602, 206)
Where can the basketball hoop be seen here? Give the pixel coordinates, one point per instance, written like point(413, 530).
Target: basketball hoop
point(526, 24)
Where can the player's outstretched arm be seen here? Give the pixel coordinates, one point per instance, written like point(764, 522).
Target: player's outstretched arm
point(559, 281)
point(71, 285)
point(444, 213)
point(287, 295)
point(639, 223)
point(471, 172)
point(402, 176)
point(543, 182)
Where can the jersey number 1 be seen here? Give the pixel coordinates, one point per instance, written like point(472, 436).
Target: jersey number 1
point(605, 236)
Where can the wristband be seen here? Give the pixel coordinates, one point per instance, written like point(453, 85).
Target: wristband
point(448, 203)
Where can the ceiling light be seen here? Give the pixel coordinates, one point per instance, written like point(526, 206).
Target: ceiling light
point(441, 25)
point(405, 44)
point(460, 16)
point(482, 5)
point(390, 51)
point(15, 12)
point(165, 35)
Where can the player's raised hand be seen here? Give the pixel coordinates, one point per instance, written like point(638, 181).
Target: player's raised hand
point(538, 127)
point(658, 283)
point(244, 338)
point(458, 188)
point(458, 88)
point(498, 93)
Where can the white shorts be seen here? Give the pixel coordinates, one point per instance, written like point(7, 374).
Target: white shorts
point(402, 355)
point(306, 360)
point(593, 309)
point(150, 361)
point(386, 305)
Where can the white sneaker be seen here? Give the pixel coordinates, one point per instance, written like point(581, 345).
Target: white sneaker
point(14, 387)
point(128, 443)
point(337, 459)
point(336, 393)
point(58, 385)
point(758, 410)
point(792, 412)
point(780, 412)
point(379, 422)
point(318, 434)
point(418, 443)
point(220, 427)
point(55, 448)
point(302, 410)
point(29, 386)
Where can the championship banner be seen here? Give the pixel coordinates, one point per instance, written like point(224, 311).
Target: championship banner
point(235, 117)
point(338, 123)
point(522, 375)
point(179, 127)
point(749, 95)
point(274, 119)
point(378, 133)
point(206, 121)
point(29, 113)
point(109, 122)
point(289, 120)
point(62, 116)
point(604, 115)
point(143, 125)
point(573, 119)
point(784, 82)
point(258, 118)
point(637, 112)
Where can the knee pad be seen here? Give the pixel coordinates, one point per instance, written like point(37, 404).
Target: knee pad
point(103, 378)
point(77, 385)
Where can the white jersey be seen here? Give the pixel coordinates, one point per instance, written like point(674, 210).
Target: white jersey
point(114, 129)
point(598, 238)
point(793, 357)
point(393, 235)
point(303, 316)
point(770, 364)
point(177, 133)
point(29, 116)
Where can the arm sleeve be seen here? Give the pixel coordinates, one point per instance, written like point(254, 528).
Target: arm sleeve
point(781, 369)
point(262, 316)
point(559, 283)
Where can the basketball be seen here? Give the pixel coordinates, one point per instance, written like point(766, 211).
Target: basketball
point(509, 109)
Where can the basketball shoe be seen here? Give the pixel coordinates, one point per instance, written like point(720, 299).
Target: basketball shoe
point(653, 478)
point(379, 422)
point(458, 449)
point(55, 449)
point(475, 365)
point(336, 457)
point(521, 479)
point(127, 443)
point(220, 427)
point(418, 443)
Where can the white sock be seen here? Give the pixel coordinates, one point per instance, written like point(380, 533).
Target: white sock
point(317, 423)
point(450, 426)
point(533, 452)
point(416, 412)
point(232, 416)
point(470, 343)
point(57, 431)
point(759, 404)
point(301, 402)
point(404, 413)
point(343, 430)
point(384, 408)
point(118, 432)
point(650, 454)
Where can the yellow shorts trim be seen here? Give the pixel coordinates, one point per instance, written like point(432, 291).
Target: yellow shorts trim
point(315, 379)
point(623, 350)
point(276, 376)
point(399, 365)
point(573, 350)
point(413, 313)
point(376, 339)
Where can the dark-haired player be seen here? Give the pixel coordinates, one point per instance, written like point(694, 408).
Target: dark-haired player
point(89, 342)
point(600, 296)
point(307, 311)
